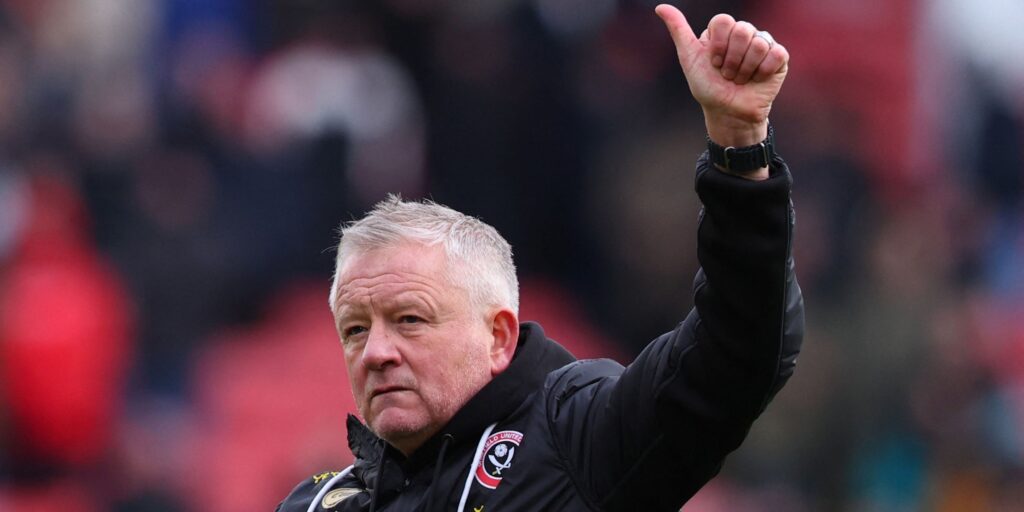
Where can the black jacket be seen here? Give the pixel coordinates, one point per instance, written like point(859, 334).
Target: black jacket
point(552, 433)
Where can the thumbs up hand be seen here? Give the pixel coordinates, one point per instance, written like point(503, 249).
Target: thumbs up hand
point(734, 71)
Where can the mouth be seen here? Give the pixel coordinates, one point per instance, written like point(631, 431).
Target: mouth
point(385, 390)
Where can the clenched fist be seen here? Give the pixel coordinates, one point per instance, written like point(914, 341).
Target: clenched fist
point(734, 71)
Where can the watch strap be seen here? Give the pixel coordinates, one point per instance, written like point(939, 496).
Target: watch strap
point(743, 159)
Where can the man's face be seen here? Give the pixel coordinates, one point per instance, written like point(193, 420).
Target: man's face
point(415, 347)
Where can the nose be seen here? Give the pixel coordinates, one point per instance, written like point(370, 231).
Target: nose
point(381, 349)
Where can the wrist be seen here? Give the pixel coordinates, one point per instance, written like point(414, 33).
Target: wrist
point(731, 131)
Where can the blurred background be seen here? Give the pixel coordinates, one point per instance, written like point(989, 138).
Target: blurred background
point(172, 174)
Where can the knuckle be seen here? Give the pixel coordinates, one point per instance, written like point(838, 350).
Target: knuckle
point(722, 18)
point(744, 28)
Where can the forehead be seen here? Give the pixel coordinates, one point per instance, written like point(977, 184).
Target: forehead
point(405, 266)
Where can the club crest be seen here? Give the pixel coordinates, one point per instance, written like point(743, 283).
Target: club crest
point(499, 450)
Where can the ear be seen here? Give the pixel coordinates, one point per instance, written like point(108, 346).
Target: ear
point(505, 335)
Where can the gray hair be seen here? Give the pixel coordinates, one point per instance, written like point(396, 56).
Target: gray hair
point(487, 271)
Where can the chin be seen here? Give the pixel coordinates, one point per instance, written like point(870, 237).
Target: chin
point(395, 426)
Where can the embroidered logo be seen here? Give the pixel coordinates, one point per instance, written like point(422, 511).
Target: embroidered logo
point(499, 450)
point(324, 476)
point(336, 496)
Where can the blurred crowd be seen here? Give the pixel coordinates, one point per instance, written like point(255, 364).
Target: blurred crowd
point(173, 172)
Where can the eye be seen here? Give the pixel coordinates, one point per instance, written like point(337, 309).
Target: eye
point(409, 319)
point(352, 330)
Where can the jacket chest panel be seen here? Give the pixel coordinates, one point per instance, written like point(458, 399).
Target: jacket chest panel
point(517, 470)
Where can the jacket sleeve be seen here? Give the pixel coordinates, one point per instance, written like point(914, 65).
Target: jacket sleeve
point(651, 435)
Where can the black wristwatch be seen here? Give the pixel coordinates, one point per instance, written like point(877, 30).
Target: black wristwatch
point(745, 159)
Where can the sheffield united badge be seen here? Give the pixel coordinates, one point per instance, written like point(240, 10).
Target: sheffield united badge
point(499, 452)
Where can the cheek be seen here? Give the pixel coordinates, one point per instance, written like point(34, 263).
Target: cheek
point(465, 374)
point(356, 378)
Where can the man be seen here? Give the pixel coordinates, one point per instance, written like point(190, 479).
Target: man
point(466, 409)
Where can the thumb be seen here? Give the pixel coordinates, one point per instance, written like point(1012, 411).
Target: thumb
point(687, 44)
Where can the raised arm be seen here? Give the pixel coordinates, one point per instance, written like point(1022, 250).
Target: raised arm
point(649, 438)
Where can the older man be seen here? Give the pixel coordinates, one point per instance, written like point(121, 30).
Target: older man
point(466, 409)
